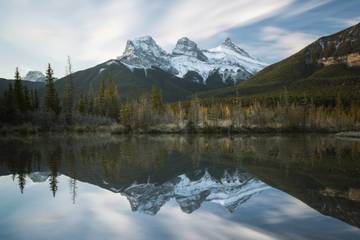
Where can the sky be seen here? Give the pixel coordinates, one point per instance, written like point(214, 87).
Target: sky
point(34, 33)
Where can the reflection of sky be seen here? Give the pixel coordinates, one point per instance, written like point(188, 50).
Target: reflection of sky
point(99, 213)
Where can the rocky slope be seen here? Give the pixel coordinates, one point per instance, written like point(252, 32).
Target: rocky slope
point(326, 68)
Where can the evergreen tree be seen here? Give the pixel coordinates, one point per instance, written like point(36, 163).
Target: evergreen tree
point(156, 100)
point(111, 100)
point(34, 100)
point(82, 105)
point(52, 103)
point(18, 92)
point(27, 100)
point(10, 100)
point(68, 93)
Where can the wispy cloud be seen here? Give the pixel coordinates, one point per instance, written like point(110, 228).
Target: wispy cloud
point(305, 6)
point(203, 18)
point(345, 22)
point(33, 33)
point(282, 43)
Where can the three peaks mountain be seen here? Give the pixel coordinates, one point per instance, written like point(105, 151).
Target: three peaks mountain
point(228, 60)
point(185, 71)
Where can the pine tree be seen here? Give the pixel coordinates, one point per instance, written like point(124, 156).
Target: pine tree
point(52, 103)
point(18, 92)
point(156, 100)
point(82, 105)
point(68, 93)
point(34, 100)
point(111, 100)
point(27, 100)
point(10, 100)
point(100, 99)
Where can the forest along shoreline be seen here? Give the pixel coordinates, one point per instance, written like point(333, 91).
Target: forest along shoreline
point(27, 112)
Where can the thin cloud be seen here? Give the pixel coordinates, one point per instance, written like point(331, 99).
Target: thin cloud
point(304, 7)
point(345, 22)
point(33, 33)
point(281, 43)
point(203, 18)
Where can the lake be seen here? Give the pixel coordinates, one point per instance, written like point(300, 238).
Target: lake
point(180, 187)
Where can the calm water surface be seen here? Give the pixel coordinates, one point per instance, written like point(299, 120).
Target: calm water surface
point(180, 187)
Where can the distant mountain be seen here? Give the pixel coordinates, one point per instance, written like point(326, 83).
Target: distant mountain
point(232, 63)
point(35, 76)
point(328, 66)
point(4, 84)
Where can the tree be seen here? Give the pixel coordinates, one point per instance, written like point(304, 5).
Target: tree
point(18, 92)
point(34, 100)
point(68, 100)
point(27, 99)
point(156, 100)
point(52, 103)
point(111, 99)
point(82, 105)
point(9, 100)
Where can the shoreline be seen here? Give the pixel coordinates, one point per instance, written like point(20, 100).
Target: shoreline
point(117, 129)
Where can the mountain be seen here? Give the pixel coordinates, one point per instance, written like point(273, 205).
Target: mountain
point(325, 68)
point(4, 85)
point(232, 63)
point(35, 76)
point(181, 74)
point(132, 83)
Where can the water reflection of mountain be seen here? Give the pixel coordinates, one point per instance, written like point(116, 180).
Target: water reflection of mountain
point(322, 171)
point(230, 191)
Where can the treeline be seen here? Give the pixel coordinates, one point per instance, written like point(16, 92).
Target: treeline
point(105, 110)
point(17, 100)
point(238, 115)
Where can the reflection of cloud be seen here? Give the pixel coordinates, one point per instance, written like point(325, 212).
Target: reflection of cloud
point(102, 214)
point(206, 225)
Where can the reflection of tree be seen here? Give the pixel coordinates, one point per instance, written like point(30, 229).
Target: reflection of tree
point(54, 163)
point(53, 183)
point(294, 163)
point(73, 189)
point(21, 181)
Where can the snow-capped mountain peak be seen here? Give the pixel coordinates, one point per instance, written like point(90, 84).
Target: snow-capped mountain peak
point(144, 52)
point(185, 46)
point(143, 45)
point(228, 60)
point(229, 44)
point(35, 76)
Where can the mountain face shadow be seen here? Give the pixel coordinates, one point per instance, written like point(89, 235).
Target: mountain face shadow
point(320, 170)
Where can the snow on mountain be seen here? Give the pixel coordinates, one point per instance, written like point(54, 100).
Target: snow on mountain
point(35, 76)
point(186, 47)
point(230, 191)
point(228, 59)
point(145, 53)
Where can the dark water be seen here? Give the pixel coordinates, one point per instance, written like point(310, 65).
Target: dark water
point(180, 187)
